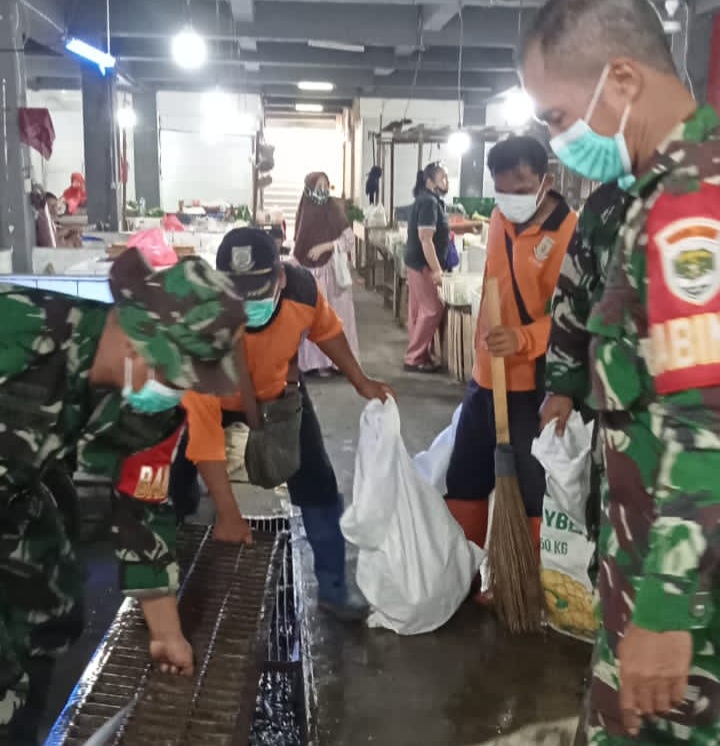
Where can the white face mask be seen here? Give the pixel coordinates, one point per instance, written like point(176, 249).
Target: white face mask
point(518, 208)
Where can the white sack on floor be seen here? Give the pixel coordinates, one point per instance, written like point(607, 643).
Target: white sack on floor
point(415, 565)
point(433, 463)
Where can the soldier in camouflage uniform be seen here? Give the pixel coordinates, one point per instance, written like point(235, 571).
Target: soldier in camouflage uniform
point(78, 376)
point(655, 363)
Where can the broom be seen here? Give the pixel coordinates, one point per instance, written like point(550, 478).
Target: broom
point(514, 572)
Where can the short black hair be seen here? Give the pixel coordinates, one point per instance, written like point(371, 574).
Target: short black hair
point(593, 32)
point(523, 150)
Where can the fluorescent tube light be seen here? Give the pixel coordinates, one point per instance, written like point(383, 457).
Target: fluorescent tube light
point(82, 49)
point(314, 85)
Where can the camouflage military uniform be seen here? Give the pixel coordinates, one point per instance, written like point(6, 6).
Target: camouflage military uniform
point(656, 381)
point(182, 322)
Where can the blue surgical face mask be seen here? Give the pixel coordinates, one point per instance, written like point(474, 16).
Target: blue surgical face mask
point(626, 183)
point(594, 156)
point(259, 312)
point(153, 397)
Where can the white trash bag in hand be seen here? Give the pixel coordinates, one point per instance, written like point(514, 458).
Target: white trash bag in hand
point(415, 566)
point(433, 464)
point(567, 464)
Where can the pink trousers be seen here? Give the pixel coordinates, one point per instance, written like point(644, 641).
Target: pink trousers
point(425, 312)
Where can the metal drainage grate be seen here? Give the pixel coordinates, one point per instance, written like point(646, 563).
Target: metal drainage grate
point(226, 606)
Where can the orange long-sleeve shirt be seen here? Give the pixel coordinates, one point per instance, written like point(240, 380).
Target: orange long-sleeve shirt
point(303, 311)
point(538, 253)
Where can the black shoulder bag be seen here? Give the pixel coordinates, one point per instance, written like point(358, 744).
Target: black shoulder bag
point(526, 320)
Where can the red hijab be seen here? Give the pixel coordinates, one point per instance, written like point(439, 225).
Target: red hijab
point(75, 195)
point(316, 224)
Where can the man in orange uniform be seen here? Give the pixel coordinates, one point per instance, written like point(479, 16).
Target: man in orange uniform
point(284, 305)
point(530, 231)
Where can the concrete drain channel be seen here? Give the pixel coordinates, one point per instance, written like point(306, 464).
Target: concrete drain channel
point(238, 609)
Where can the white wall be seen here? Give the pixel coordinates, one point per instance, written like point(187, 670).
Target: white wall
point(429, 113)
point(68, 151)
point(199, 162)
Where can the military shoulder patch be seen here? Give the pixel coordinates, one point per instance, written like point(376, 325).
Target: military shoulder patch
point(683, 270)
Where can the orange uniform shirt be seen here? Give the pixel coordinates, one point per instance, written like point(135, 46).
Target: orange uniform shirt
point(538, 253)
point(303, 310)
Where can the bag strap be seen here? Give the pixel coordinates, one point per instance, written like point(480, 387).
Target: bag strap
point(247, 390)
point(525, 317)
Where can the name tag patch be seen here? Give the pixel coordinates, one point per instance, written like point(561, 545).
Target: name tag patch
point(543, 249)
point(683, 265)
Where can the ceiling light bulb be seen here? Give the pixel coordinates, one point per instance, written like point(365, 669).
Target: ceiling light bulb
point(671, 7)
point(459, 142)
point(518, 108)
point(309, 108)
point(189, 49)
point(311, 85)
point(126, 117)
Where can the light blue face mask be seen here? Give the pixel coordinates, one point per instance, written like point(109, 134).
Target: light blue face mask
point(594, 156)
point(259, 312)
point(626, 182)
point(153, 397)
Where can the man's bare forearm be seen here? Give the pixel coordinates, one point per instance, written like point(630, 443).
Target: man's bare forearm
point(215, 476)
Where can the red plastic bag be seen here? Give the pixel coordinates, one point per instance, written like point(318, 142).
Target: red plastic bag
point(172, 224)
point(153, 247)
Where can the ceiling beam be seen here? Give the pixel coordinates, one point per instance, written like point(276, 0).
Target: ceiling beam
point(706, 6)
point(436, 17)
point(45, 21)
point(242, 10)
point(281, 21)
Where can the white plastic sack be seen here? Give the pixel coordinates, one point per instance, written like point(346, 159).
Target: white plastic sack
point(567, 464)
point(415, 566)
point(565, 550)
point(343, 278)
point(433, 464)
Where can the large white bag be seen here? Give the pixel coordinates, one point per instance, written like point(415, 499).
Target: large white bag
point(565, 550)
point(415, 566)
point(567, 464)
point(433, 464)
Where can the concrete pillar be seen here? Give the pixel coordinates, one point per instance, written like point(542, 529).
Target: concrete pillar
point(472, 170)
point(100, 147)
point(710, 86)
point(17, 228)
point(147, 149)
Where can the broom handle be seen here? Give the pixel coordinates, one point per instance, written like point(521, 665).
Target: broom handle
point(502, 427)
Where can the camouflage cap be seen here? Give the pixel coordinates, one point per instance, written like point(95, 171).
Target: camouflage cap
point(182, 320)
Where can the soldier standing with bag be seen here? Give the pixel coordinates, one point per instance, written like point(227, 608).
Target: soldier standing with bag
point(655, 362)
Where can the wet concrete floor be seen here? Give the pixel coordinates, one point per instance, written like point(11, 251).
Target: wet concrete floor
point(464, 685)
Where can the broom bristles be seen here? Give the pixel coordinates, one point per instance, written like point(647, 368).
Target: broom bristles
point(514, 572)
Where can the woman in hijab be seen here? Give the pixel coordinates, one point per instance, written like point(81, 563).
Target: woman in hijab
point(323, 241)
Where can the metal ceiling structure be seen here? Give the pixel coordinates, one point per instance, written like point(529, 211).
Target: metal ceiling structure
point(375, 48)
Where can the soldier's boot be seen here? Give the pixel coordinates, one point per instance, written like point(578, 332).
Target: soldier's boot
point(535, 525)
point(473, 517)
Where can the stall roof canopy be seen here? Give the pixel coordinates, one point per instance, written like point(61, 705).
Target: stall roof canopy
point(371, 48)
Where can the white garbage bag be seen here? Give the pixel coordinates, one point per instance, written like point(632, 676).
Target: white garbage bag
point(415, 566)
point(567, 464)
point(565, 549)
point(433, 463)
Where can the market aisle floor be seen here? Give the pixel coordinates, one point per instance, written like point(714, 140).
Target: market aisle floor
point(464, 685)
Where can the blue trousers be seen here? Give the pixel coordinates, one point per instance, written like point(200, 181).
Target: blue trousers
point(313, 489)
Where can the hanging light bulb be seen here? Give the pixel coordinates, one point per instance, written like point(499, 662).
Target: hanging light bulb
point(518, 108)
point(459, 142)
point(126, 117)
point(189, 49)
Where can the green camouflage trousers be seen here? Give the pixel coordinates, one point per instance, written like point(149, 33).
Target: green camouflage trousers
point(40, 586)
point(634, 458)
